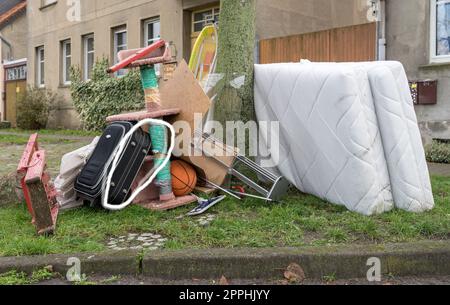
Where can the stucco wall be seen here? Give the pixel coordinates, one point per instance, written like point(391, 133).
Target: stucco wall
point(15, 32)
point(50, 26)
point(278, 18)
point(408, 41)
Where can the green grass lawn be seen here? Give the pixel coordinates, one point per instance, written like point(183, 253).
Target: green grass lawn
point(301, 220)
point(9, 139)
point(60, 132)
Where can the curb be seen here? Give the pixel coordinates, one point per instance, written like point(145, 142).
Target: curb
point(107, 263)
point(418, 259)
point(430, 258)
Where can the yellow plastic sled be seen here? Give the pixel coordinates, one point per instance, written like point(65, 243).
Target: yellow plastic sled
point(204, 54)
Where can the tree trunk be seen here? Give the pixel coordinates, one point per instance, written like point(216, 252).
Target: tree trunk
point(236, 59)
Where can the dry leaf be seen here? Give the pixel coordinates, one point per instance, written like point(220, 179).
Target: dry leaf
point(294, 274)
point(223, 281)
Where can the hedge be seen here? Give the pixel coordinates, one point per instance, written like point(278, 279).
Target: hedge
point(438, 152)
point(104, 95)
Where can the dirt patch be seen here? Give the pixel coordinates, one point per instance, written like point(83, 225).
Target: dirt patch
point(10, 155)
point(9, 190)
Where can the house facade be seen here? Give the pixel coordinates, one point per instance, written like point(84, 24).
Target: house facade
point(418, 35)
point(13, 53)
point(62, 33)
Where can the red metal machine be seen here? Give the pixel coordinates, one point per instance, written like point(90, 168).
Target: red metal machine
point(39, 192)
point(155, 53)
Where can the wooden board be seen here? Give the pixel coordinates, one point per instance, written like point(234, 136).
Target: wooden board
point(346, 44)
point(183, 91)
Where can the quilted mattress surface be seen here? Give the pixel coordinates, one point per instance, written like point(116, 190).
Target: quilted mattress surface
point(335, 135)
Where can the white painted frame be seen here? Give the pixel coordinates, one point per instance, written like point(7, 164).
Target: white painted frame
point(215, 11)
point(434, 58)
point(122, 30)
point(65, 58)
point(40, 66)
point(147, 22)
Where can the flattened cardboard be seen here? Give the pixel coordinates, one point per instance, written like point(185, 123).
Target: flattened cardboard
point(183, 91)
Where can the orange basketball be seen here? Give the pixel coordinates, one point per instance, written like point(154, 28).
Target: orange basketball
point(184, 178)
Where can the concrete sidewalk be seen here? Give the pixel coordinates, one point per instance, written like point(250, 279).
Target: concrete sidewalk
point(429, 258)
point(439, 169)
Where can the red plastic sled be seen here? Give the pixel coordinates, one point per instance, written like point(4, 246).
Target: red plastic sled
point(39, 192)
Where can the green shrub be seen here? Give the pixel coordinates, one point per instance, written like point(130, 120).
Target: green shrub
point(438, 152)
point(5, 125)
point(33, 107)
point(104, 95)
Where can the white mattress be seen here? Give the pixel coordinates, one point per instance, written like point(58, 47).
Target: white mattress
point(332, 145)
point(402, 141)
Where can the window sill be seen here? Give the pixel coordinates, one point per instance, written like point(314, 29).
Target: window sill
point(48, 5)
point(64, 86)
point(435, 64)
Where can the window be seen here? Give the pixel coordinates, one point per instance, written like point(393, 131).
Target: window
point(45, 3)
point(204, 18)
point(40, 66)
point(66, 61)
point(89, 56)
point(120, 44)
point(16, 73)
point(152, 31)
point(440, 31)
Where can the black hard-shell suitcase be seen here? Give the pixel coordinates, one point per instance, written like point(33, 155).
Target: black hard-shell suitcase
point(128, 167)
point(89, 183)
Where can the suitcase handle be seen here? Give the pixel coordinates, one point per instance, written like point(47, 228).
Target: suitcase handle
point(120, 149)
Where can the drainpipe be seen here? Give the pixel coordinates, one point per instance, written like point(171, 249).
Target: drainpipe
point(8, 44)
point(381, 30)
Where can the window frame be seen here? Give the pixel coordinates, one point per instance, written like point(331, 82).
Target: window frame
point(116, 31)
point(44, 3)
point(86, 54)
point(65, 69)
point(434, 58)
point(214, 13)
point(40, 67)
point(146, 23)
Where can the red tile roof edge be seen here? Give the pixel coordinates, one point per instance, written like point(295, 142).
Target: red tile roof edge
point(12, 12)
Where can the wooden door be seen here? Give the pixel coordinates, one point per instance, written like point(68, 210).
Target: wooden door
point(13, 90)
